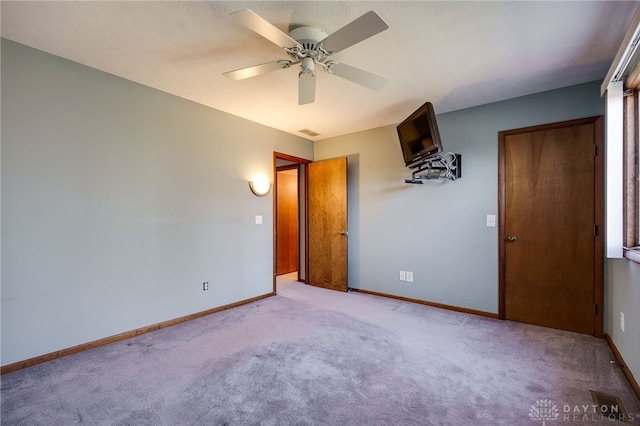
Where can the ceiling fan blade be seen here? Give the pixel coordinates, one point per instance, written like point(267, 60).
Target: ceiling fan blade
point(255, 22)
point(257, 70)
point(357, 75)
point(306, 89)
point(354, 32)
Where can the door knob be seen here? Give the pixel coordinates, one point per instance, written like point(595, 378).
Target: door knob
point(344, 233)
point(512, 239)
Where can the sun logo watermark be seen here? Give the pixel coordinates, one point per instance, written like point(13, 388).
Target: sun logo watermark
point(544, 410)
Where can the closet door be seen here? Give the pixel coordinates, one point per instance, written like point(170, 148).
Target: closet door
point(551, 253)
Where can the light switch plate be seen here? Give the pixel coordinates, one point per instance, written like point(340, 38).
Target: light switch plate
point(491, 220)
point(258, 220)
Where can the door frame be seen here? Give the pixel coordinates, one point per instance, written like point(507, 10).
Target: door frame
point(302, 200)
point(598, 188)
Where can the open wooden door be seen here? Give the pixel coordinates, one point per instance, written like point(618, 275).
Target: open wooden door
point(551, 259)
point(327, 223)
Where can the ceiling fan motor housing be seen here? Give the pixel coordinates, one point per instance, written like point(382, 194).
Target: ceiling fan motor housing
point(308, 38)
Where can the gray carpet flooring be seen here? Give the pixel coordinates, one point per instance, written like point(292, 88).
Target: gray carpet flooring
point(310, 356)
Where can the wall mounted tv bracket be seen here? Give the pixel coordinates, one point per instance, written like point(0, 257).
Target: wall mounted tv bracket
point(446, 166)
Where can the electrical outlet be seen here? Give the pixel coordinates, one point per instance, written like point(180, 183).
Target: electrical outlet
point(205, 286)
point(403, 276)
point(622, 321)
point(409, 276)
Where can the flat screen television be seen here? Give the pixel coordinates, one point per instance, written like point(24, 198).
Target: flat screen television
point(419, 136)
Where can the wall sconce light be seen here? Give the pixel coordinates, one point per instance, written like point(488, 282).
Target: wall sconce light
point(260, 187)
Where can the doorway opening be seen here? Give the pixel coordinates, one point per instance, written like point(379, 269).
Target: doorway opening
point(289, 212)
point(287, 220)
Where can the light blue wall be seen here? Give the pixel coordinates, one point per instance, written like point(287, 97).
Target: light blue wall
point(437, 230)
point(119, 201)
point(624, 296)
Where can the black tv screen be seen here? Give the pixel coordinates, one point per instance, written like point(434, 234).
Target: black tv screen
point(419, 136)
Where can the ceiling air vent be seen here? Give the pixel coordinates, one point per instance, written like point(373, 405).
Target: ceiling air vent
point(309, 132)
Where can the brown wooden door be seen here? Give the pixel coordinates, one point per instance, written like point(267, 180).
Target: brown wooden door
point(549, 212)
point(287, 221)
point(327, 222)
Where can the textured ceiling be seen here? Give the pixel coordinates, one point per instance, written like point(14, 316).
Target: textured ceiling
point(454, 54)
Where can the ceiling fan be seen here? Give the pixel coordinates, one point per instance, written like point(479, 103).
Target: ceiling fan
point(311, 47)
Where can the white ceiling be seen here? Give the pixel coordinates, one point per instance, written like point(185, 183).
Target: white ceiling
point(454, 54)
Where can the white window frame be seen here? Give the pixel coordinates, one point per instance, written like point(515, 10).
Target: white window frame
point(620, 240)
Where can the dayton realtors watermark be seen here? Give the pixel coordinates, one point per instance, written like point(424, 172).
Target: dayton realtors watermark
point(546, 411)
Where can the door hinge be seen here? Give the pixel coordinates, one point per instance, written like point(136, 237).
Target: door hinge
point(595, 309)
point(595, 230)
point(595, 150)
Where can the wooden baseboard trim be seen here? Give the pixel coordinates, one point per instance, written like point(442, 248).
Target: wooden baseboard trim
point(432, 304)
point(625, 369)
point(10, 368)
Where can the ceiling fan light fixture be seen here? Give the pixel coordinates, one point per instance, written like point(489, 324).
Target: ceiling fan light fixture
point(307, 67)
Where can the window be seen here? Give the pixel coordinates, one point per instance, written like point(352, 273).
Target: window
point(631, 166)
point(621, 88)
